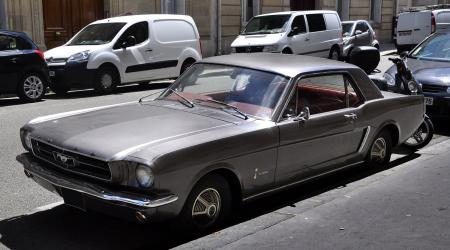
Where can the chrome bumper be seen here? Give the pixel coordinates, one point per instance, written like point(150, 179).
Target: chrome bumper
point(39, 174)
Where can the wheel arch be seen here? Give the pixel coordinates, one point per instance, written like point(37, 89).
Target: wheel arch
point(393, 130)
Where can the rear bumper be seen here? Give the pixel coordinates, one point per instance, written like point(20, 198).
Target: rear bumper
point(440, 107)
point(89, 196)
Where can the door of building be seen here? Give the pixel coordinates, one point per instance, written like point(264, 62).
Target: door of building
point(64, 18)
point(303, 4)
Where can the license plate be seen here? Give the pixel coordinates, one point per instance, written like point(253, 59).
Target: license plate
point(429, 101)
point(51, 73)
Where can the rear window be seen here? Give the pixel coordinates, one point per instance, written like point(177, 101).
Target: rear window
point(316, 22)
point(332, 21)
point(13, 43)
point(443, 17)
point(174, 30)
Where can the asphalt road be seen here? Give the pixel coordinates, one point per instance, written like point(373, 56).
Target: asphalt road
point(33, 218)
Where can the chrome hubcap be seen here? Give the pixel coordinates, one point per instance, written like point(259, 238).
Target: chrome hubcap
point(33, 87)
point(378, 151)
point(106, 81)
point(206, 207)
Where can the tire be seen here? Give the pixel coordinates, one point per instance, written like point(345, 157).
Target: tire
point(334, 54)
point(286, 51)
point(105, 80)
point(186, 65)
point(31, 87)
point(206, 214)
point(380, 150)
point(422, 136)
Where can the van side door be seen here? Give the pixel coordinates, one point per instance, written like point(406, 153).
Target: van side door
point(298, 37)
point(133, 50)
point(318, 35)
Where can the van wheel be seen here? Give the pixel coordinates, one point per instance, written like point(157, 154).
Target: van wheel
point(186, 65)
point(208, 205)
point(31, 87)
point(106, 80)
point(334, 54)
point(286, 51)
point(380, 150)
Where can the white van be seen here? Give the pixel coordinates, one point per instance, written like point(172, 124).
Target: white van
point(414, 26)
point(126, 49)
point(317, 33)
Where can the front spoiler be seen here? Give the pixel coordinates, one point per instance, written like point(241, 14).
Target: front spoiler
point(48, 178)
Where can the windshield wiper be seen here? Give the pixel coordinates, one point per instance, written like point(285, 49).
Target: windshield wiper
point(236, 109)
point(186, 102)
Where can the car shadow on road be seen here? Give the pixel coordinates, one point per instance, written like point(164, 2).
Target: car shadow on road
point(63, 227)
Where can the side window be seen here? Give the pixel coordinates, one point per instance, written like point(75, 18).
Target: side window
point(299, 22)
point(7, 43)
point(316, 22)
point(362, 27)
point(323, 94)
point(138, 30)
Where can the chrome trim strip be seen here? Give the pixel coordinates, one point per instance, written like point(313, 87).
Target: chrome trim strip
point(37, 171)
point(299, 182)
point(364, 141)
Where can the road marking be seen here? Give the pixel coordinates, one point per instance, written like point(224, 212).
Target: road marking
point(49, 206)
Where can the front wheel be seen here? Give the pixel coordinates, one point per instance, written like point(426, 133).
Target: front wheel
point(208, 204)
point(380, 151)
point(106, 80)
point(422, 136)
point(31, 87)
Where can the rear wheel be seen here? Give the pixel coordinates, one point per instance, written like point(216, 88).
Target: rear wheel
point(106, 80)
point(380, 150)
point(286, 51)
point(186, 65)
point(31, 87)
point(208, 204)
point(422, 136)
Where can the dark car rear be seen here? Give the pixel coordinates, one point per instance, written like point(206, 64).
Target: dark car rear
point(23, 70)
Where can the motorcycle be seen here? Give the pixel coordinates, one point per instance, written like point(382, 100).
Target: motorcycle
point(405, 83)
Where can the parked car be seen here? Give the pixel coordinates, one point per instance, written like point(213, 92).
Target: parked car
point(122, 50)
point(357, 33)
point(23, 70)
point(430, 64)
point(231, 129)
point(414, 26)
point(317, 33)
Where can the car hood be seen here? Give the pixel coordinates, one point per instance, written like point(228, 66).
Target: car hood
point(66, 51)
point(115, 132)
point(427, 72)
point(256, 40)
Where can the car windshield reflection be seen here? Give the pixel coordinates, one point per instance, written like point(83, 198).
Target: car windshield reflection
point(249, 91)
point(435, 48)
point(97, 34)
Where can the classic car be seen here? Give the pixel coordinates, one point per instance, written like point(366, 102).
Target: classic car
point(231, 129)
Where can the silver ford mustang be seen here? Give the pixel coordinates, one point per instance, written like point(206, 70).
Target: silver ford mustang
point(231, 129)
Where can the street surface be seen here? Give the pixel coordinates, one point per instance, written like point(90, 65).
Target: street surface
point(404, 206)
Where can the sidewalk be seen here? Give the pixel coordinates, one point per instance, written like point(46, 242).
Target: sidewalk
point(405, 207)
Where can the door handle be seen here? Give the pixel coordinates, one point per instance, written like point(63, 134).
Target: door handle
point(351, 116)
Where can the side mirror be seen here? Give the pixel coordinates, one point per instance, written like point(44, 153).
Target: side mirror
point(303, 116)
point(358, 32)
point(129, 42)
point(293, 32)
point(404, 54)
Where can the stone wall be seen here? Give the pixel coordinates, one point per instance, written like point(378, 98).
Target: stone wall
point(268, 6)
point(230, 23)
point(120, 7)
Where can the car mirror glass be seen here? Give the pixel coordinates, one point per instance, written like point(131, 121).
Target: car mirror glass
point(304, 115)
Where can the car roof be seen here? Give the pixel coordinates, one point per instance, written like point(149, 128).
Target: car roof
point(13, 33)
point(300, 12)
point(139, 18)
point(283, 64)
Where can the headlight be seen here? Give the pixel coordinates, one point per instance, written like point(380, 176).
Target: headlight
point(389, 79)
point(79, 57)
point(412, 86)
point(270, 48)
point(144, 176)
point(25, 136)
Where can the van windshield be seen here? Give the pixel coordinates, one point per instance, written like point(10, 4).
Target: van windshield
point(97, 34)
point(266, 24)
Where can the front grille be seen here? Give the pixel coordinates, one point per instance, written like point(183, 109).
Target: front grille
point(56, 60)
point(433, 88)
point(249, 49)
point(70, 161)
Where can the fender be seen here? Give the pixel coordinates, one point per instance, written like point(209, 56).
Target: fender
point(99, 58)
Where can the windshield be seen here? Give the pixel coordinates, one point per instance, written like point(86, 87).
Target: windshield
point(249, 91)
point(97, 34)
point(266, 24)
point(347, 29)
point(435, 48)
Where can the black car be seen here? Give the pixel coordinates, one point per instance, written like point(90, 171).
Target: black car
point(23, 70)
point(430, 64)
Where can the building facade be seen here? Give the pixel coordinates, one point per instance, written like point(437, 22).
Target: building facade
point(52, 22)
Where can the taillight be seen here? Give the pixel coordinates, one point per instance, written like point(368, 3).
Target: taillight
point(200, 46)
point(433, 23)
point(40, 54)
point(374, 35)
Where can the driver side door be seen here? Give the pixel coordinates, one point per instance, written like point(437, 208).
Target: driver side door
point(300, 41)
point(325, 139)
